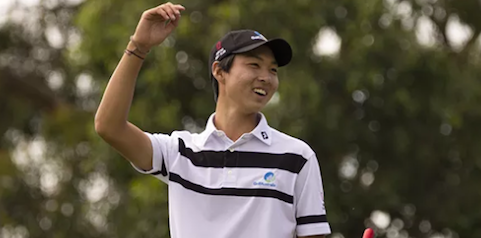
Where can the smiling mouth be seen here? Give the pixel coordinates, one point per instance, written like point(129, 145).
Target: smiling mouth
point(260, 91)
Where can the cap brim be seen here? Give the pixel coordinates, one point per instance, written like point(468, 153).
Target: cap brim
point(280, 48)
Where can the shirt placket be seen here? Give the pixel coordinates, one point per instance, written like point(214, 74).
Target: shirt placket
point(230, 171)
point(230, 161)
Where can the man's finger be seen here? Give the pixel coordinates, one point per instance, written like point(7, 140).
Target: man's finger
point(368, 233)
point(177, 12)
point(164, 14)
point(179, 7)
point(176, 22)
point(171, 11)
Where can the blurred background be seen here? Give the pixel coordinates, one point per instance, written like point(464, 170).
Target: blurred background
point(387, 92)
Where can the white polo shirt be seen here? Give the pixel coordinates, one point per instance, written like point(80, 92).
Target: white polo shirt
point(266, 184)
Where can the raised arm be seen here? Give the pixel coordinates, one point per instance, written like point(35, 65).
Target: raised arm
point(111, 123)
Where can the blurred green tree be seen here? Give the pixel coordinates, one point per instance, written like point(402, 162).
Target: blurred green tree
point(393, 113)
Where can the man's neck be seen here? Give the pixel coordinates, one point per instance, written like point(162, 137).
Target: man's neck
point(233, 123)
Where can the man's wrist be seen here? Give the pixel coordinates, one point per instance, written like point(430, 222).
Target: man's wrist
point(132, 49)
point(143, 49)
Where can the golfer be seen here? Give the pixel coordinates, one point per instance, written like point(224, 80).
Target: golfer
point(239, 178)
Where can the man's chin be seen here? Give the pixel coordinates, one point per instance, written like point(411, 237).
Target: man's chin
point(256, 107)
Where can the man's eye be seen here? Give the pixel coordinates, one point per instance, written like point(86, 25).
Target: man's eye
point(274, 70)
point(255, 65)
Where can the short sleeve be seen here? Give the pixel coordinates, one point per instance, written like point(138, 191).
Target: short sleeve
point(309, 200)
point(165, 150)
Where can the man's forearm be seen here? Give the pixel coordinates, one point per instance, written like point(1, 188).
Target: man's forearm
point(114, 107)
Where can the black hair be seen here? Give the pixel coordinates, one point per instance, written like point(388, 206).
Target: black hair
point(225, 64)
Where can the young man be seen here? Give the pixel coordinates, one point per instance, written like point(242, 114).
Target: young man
point(240, 177)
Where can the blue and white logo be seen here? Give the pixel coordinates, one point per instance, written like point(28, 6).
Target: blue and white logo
point(258, 36)
point(268, 180)
point(269, 177)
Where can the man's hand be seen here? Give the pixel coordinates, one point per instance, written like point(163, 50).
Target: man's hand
point(156, 24)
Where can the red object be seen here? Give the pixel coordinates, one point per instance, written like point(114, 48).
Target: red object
point(368, 233)
point(218, 45)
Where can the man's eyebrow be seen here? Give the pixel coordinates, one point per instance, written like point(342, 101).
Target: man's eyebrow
point(249, 54)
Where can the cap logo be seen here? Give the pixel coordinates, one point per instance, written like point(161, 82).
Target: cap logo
point(219, 53)
point(218, 45)
point(258, 36)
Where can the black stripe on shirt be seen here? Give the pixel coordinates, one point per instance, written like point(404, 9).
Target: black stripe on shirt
point(242, 159)
point(241, 192)
point(311, 219)
point(163, 171)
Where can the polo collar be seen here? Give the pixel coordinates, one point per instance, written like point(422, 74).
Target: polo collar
point(262, 131)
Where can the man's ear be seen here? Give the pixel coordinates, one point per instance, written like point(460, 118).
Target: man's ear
point(218, 72)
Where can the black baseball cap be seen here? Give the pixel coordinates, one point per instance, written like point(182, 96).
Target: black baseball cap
point(241, 41)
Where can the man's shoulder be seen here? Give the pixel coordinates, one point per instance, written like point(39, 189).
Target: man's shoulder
point(182, 134)
point(176, 134)
point(291, 144)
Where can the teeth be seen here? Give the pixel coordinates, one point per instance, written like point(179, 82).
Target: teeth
point(260, 91)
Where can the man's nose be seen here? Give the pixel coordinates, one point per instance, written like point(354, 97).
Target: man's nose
point(265, 77)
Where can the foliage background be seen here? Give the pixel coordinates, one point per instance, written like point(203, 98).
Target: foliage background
point(393, 114)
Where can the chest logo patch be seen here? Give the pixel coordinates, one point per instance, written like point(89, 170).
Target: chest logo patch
point(268, 180)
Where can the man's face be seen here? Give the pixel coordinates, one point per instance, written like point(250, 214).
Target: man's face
point(252, 80)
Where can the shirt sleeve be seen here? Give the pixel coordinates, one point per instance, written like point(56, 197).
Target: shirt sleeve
point(165, 149)
point(309, 201)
